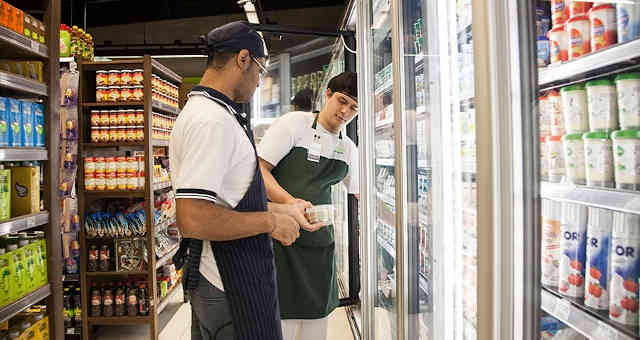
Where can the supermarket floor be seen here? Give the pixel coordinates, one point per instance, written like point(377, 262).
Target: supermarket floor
point(175, 324)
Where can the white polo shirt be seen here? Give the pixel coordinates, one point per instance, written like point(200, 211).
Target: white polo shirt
point(211, 159)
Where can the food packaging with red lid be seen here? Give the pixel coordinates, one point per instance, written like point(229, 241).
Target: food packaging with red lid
point(559, 41)
point(577, 8)
point(559, 12)
point(604, 27)
point(579, 36)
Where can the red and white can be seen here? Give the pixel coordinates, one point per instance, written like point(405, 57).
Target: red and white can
point(101, 164)
point(101, 182)
point(559, 41)
point(89, 165)
point(559, 11)
point(90, 181)
point(604, 27)
point(579, 36)
point(625, 269)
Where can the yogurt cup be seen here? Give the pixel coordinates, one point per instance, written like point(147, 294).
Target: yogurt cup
point(544, 51)
point(577, 8)
point(604, 28)
point(625, 269)
point(598, 150)
point(628, 90)
point(602, 103)
point(626, 157)
point(551, 238)
point(628, 16)
point(559, 11)
point(544, 116)
point(555, 157)
point(554, 107)
point(544, 163)
point(596, 293)
point(579, 36)
point(559, 42)
point(320, 214)
point(574, 108)
point(573, 250)
point(574, 158)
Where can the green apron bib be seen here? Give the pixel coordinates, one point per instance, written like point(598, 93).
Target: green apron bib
point(306, 270)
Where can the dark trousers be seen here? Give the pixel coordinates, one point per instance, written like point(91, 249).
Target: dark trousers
point(210, 316)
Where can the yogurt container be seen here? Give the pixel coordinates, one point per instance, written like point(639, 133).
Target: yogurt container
point(574, 108)
point(579, 36)
point(596, 293)
point(544, 51)
point(598, 150)
point(577, 8)
point(574, 158)
point(320, 214)
point(555, 157)
point(626, 158)
point(544, 163)
point(573, 250)
point(551, 238)
point(554, 107)
point(628, 90)
point(604, 28)
point(544, 116)
point(603, 105)
point(625, 269)
point(559, 42)
point(628, 16)
point(559, 12)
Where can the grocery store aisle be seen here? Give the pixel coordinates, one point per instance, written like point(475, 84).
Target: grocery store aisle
point(175, 324)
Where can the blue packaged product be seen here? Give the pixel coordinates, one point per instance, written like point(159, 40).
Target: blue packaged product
point(544, 51)
point(15, 123)
point(628, 16)
point(4, 122)
point(38, 130)
point(27, 123)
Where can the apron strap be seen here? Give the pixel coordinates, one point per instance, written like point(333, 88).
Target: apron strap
point(314, 126)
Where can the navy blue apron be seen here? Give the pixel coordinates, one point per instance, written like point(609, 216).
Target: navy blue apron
point(246, 266)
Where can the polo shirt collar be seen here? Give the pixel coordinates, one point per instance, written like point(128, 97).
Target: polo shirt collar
point(218, 95)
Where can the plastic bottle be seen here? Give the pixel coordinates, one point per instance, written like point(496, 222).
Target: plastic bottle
point(65, 41)
point(105, 258)
point(93, 259)
point(96, 302)
point(68, 308)
point(143, 303)
point(132, 302)
point(120, 297)
point(107, 302)
point(77, 310)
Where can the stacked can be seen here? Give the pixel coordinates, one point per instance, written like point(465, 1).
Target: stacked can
point(573, 248)
point(114, 173)
point(117, 126)
point(164, 91)
point(598, 249)
point(119, 85)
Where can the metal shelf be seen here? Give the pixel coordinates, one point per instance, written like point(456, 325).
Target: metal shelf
point(123, 273)
point(165, 71)
point(611, 199)
point(161, 185)
point(163, 260)
point(115, 194)
point(386, 199)
point(106, 104)
point(590, 323)
point(20, 223)
point(23, 154)
point(18, 83)
point(10, 310)
point(170, 294)
point(609, 59)
point(14, 45)
point(119, 320)
point(112, 145)
point(160, 142)
point(165, 108)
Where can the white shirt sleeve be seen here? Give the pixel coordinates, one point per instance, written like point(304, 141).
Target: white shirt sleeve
point(278, 140)
point(352, 180)
point(206, 153)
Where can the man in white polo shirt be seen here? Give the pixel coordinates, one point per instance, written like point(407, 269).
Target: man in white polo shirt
point(221, 198)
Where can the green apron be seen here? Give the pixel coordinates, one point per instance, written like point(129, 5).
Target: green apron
point(306, 270)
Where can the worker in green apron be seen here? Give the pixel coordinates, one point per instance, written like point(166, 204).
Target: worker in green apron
point(302, 156)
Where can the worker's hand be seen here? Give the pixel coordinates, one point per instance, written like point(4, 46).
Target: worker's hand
point(286, 230)
point(297, 211)
point(297, 200)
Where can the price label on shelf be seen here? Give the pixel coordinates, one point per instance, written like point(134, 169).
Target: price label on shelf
point(35, 45)
point(605, 332)
point(31, 222)
point(562, 309)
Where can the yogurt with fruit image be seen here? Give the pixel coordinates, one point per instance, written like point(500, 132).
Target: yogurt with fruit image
point(573, 248)
point(596, 294)
point(551, 238)
point(625, 269)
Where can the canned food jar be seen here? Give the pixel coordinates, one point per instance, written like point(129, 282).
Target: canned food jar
point(90, 181)
point(626, 158)
point(598, 150)
point(132, 180)
point(132, 164)
point(121, 117)
point(574, 158)
point(113, 117)
point(102, 94)
point(139, 134)
point(111, 181)
point(154, 120)
point(578, 8)
point(122, 133)
point(554, 105)
point(104, 117)
point(95, 118)
point(104, 134)
point(599, 225)
point(551, 240)
point(573, 249)
point(101, 182)
point(559, 42)
point(559, 12)
point(138, 92)
point(89, 165)
point(114, 93)
point(126, 93)
point(603, 105)
point(579, 36)
point(130, 117)
point(154, 82)
point(574, 108)
point(625, 269)
point(131, 134)
point(628, 17)
point(604, 28)
point(139, 117)
point(555, 157)
point(102, 78)
point(114, 78)
point(544, 51)
point(138, 77)
point(320, 214)
point(95, 134)
point(111, 165)
point(628, 90)
point(113, 134)
point(125, 77)
point(122, 181)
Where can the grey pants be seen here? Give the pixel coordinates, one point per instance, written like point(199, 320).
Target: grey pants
point(210, 316)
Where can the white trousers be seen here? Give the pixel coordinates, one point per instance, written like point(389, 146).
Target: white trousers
point(315, 329)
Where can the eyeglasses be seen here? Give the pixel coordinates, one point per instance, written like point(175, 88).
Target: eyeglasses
point(263, 69)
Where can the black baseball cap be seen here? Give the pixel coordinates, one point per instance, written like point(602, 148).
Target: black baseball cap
point(234, 37)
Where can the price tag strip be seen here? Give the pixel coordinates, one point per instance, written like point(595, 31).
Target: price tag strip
point(31, 222)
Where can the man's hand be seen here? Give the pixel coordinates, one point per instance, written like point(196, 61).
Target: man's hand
point(297, 211)
point(286, 229)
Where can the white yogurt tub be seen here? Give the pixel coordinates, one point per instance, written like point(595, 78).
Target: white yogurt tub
point(573, 250)
point(596, 293)
point(579, 29)
point(551, 238)
point(604, 28)
point(602, 103)
point(626, 159)
point(625, 269)
point(628, 89)
point(628, 16)
point(573, 147)
point(574, 108)
point(554, 107)
point(559, 42)
point(544, 162)
point(544, 116)
point(555, 157)
point(598, 150)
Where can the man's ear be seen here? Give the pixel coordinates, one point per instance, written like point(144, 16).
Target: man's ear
point(329, 93)
point(243, 59)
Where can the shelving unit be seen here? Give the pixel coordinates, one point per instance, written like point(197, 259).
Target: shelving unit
point(87, 97)
point(15, 46)
point(170, 294)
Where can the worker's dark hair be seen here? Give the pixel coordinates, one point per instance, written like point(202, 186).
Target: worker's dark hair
point(346, 83)
point(217, 59)
point(303, 99)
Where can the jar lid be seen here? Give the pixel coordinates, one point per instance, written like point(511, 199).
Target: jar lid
point(597, 135)
point(114, 71)
point(125, 71)
point(554, 139)
point(95, 111)
point(101, 71)
point(113, 111)
point(600, 82)
point(558, 28)
point(626, 134)
point(573, 136)
point(626, 76)
point(576, 87)
point(114, 87)
point(138, 70)
point(579, 18)
point(601, 6)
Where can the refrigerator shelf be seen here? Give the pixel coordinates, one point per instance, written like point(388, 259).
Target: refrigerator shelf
point(386, 246)
point(615, 58)
point(612, 199)
point(590, 323)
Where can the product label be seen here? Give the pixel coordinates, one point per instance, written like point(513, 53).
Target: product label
point(574, 104)
point(624, 280)
point(544, 53)
point(602, 33)
point(554, 107)
point(628, 22)
point(574, 158)
point(603, 108)
point(555, 157)
point(96, 300)
point(598, 244)
point(572, 260)
point(556, 52)
point(558, 11)
point(629, 102)
point(627, 161)
point(550, 251)
point(577, 42)
point(599, 162)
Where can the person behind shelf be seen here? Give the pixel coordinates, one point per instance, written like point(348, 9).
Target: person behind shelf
point(303, 100)
point(221, 202)
point(302, 156)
